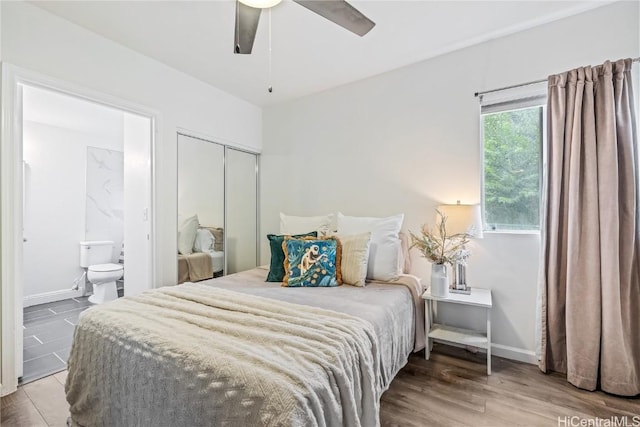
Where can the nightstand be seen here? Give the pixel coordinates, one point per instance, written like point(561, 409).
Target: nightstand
point(435, 331)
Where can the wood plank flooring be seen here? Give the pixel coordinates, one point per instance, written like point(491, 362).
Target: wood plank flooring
point(451, 389)
point(41, 403)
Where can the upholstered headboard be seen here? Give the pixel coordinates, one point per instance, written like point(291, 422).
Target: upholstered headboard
point(405, 261)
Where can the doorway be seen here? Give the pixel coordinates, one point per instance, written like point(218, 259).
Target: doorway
point(80, 170)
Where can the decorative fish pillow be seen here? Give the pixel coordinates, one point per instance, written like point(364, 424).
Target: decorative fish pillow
point(311, 262)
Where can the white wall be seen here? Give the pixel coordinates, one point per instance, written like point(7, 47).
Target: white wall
point(408, 140)
point(55, 205)
point(36, 40)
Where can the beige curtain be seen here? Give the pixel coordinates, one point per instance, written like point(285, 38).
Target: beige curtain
point(591, 240)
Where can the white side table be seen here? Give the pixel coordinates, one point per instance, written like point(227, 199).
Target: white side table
point(435, 331)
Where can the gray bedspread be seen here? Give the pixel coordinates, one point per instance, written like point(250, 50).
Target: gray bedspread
point(247, 353)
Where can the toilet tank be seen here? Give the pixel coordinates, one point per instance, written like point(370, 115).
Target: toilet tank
point(95, 252)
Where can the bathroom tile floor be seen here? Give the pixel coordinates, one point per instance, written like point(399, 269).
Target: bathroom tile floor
point(48, 333)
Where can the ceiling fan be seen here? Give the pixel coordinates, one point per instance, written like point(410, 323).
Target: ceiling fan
point(337, 11)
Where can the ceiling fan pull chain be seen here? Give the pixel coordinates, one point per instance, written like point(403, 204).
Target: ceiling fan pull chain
point(270, 88)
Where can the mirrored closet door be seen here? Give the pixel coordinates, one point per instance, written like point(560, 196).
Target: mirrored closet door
point(242, 205)
point(217, 209)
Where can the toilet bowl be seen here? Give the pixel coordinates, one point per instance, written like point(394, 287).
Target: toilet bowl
point(97, 257)
point(103, 278)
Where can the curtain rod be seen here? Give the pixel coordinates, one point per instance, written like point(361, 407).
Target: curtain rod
point(524, 84)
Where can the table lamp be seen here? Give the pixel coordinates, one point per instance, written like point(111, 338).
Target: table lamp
point(461, 219)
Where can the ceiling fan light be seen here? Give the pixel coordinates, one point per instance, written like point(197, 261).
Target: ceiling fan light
point(260, 4)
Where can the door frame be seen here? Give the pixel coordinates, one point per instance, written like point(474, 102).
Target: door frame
point(11, 208)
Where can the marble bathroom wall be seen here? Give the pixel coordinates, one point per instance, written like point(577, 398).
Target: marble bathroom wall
point(105, 197)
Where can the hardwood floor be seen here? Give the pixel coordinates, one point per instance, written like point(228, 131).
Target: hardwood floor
point(40, 403)
point(451, 389)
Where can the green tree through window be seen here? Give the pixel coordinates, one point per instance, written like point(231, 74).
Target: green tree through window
point(512, 152)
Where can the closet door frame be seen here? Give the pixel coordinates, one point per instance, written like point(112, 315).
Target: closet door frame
point(225, 146)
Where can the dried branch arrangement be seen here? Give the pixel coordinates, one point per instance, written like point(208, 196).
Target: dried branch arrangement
point(438, 247)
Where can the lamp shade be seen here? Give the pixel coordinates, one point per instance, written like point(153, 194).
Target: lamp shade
point(261, 4)
point(462, 219)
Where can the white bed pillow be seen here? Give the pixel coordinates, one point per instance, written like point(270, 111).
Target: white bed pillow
point(385, 248)
point(187, 234)
point(355, 258)
point(204, 241)
point(290, 225)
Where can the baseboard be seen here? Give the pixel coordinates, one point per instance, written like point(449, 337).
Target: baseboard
point(512, 353)
point(5, 391)
point(46, 297)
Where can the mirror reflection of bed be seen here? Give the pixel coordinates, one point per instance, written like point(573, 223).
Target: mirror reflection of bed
point(206, 259)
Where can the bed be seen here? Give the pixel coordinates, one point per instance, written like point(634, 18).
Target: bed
point(238, 351)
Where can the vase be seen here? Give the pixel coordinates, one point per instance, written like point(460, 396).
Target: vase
point(439, 281)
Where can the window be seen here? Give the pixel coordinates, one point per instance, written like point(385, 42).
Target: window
point(513, 135)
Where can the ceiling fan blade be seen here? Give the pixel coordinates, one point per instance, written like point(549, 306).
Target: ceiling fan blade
point(247, 19)
point(341, 13)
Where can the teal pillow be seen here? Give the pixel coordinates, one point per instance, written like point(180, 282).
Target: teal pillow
point(276, 269)
point(312, 262)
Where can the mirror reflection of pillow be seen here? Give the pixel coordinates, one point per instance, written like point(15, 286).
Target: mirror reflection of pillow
point(187, 234)
point(218, 237)
point(204, 241)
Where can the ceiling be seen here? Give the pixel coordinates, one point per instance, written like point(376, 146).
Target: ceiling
point(309, 53)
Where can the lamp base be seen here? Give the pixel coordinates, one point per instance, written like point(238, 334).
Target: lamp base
point(465, 291)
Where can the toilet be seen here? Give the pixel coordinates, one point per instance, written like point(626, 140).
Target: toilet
point(97, 257)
